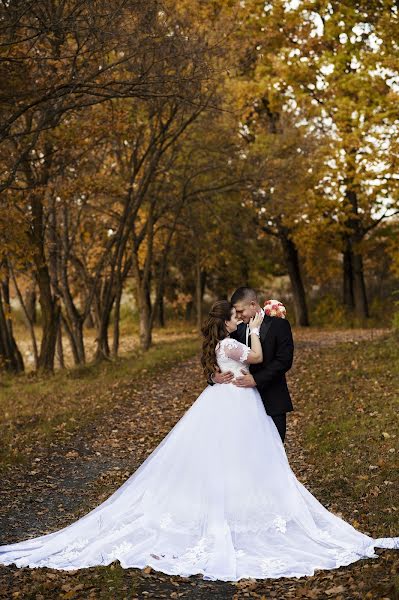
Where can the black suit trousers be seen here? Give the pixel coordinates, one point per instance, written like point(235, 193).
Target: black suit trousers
point(280, 422)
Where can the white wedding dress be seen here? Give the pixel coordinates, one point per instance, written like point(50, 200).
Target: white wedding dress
point(217, 497)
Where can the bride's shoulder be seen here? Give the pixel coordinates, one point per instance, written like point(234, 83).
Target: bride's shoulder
point(228, 342)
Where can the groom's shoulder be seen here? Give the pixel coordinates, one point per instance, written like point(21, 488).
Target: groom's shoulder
point(279, 323)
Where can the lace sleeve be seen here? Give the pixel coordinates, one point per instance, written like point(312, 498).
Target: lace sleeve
point(236, 350)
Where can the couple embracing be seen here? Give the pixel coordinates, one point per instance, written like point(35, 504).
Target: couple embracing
point(275, 336)
point(217, 496)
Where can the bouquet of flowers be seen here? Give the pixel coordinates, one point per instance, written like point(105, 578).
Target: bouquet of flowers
point(274, 308)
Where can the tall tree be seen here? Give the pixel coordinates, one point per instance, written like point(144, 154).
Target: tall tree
point(64, 57)
point(337, 63)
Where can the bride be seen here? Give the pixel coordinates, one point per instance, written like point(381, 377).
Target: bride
point(217, 496)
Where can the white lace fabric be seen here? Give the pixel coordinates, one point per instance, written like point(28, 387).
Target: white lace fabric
point(216, 497)
point(232, 356)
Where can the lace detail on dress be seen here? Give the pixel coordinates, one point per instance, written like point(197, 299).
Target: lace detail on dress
point(261, 519)
point(120, 550)
point(192, 556)
point(324, 535)
point(270, 566)
point(280, 524)
point(73, 550)
point(229, 348)
point(345, 557)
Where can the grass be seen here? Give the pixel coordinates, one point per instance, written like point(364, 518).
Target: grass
point(351, 427)
point(37, 407)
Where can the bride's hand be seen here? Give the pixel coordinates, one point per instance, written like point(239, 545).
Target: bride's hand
point(256, 321)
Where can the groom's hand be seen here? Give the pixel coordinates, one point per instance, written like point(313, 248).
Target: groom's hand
point(245, 381)
point(226, 377)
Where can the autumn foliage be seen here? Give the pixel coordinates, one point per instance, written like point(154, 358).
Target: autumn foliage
point(169, 152)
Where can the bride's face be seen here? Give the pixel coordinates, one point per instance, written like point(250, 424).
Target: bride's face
point(232, 324)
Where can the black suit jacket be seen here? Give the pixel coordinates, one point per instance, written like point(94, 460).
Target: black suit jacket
point(278, 354)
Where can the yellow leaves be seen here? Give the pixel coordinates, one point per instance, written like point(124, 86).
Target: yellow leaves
point(86, 237)
point(148, 570)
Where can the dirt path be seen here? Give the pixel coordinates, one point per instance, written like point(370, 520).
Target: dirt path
point(62, 483)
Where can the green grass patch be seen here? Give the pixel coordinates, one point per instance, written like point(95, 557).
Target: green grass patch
point(350, 401)
point(37, 408)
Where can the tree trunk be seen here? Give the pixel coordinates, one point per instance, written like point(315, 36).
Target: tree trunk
point(117, 314)
point(71, 338)
point(105, 306)
point(354, 238)
point(145, 319)
point(143, 282)
point(159, 305)
point(60, 349)
point(59, 260)
point(89, 322)
point(349, 301)
point(50, 316)
point(161, 310)
point(189, 310)
point(29, 312)
point(359, 288)
point(10, 356)
point(298, 291)
point(102, 350)
point(200, 280)
point(49, 305)
point(30, 303)
point(198, 295)
point(74, 329)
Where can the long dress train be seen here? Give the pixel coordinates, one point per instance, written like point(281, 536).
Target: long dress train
point(217, 497)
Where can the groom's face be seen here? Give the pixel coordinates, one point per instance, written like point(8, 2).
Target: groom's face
point(245, 310)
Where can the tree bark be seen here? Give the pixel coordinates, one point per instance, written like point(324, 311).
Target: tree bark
point(71, 338)
point(161, 310)
point(117, 314)
point(50, 308)
point(29, 312)
point(60, 349)
point(145, 319)
point(189, 310)
point(349, 301)
point(143, 278)
point(359, 287)
point(200, 280)
point(73, 319)
point(10, 356)
point(298, 291)
point(159, 304)
point(30, 303)
point(353, 240)
point(102, 349)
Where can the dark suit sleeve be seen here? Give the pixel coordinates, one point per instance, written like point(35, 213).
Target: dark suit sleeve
point(282, 361)
point(239, 333)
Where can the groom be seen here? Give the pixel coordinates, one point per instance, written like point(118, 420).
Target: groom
point(278, 351)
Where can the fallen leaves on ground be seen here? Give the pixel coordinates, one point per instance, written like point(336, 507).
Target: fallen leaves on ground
point(57, 484)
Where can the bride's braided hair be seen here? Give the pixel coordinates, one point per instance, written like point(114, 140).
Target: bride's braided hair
point(214, 330)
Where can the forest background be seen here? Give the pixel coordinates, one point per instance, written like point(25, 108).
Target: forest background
point(156, 155)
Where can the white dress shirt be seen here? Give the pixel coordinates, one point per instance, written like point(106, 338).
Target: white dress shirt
point(247, 331)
